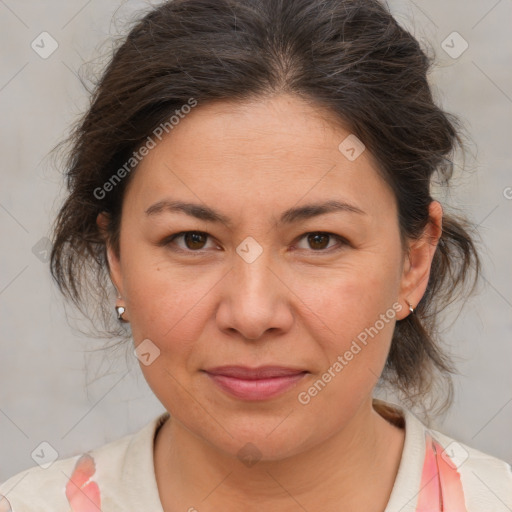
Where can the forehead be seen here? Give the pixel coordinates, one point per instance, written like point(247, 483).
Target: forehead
point(275, 150)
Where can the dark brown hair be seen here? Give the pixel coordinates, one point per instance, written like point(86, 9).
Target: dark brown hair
point(349, 57)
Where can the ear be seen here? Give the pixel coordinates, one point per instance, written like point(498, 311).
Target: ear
point(418, 260)
point(114, 264)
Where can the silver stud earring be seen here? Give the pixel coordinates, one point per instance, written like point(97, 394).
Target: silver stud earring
point(411, 309)
point(120, 311)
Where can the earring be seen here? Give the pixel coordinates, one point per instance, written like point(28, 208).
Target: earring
point(120, 311)
point(411, 309)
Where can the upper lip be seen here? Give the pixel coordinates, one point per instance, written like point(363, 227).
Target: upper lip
point(262, 372)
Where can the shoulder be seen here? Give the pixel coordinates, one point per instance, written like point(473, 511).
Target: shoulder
point(486, 480)
point(52, 488)
point(96, 476)
point(435, 468)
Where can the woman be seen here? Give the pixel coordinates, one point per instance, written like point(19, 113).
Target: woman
point(253, 177)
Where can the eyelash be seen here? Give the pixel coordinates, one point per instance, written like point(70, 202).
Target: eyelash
point(168, 240)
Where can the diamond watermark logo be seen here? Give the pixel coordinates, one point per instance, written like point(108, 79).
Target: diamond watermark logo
point(249, 454)
point(146, 352)
point(249, 250)
point(351, 147)
point(41, 250)
point(44, 45)
point(455, 454)
point(44, 455)
point(454, 45)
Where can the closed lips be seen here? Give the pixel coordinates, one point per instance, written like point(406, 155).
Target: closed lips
point(263, 372)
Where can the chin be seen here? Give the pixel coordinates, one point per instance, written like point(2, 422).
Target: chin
point(271, 439)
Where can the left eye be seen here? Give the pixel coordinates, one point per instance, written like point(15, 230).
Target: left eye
point(317, 240)
point(195, 240)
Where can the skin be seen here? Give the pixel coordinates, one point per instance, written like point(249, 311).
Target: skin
point(299, 304)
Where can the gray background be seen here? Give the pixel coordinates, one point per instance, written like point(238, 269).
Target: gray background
point(55, 388)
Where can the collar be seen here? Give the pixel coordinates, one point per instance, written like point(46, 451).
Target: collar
point(426, 477)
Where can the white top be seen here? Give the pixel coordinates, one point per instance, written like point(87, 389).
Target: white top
point(120, 476)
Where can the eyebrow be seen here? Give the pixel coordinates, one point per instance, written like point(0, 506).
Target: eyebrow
point(287, 217)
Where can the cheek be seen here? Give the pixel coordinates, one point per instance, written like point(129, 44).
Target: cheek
point(360, 315)
point(167, 307)
point(344, 301)
point(169, 304)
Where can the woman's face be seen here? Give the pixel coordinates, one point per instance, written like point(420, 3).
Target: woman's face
point(259, 288)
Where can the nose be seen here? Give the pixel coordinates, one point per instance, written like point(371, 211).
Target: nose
point(255, 299)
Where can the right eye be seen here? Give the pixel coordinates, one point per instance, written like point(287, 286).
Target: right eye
point(194, 241)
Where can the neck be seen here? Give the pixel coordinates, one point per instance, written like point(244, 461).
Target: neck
point(357, 467)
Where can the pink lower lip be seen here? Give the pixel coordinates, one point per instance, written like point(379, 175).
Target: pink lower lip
point(256, 389)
